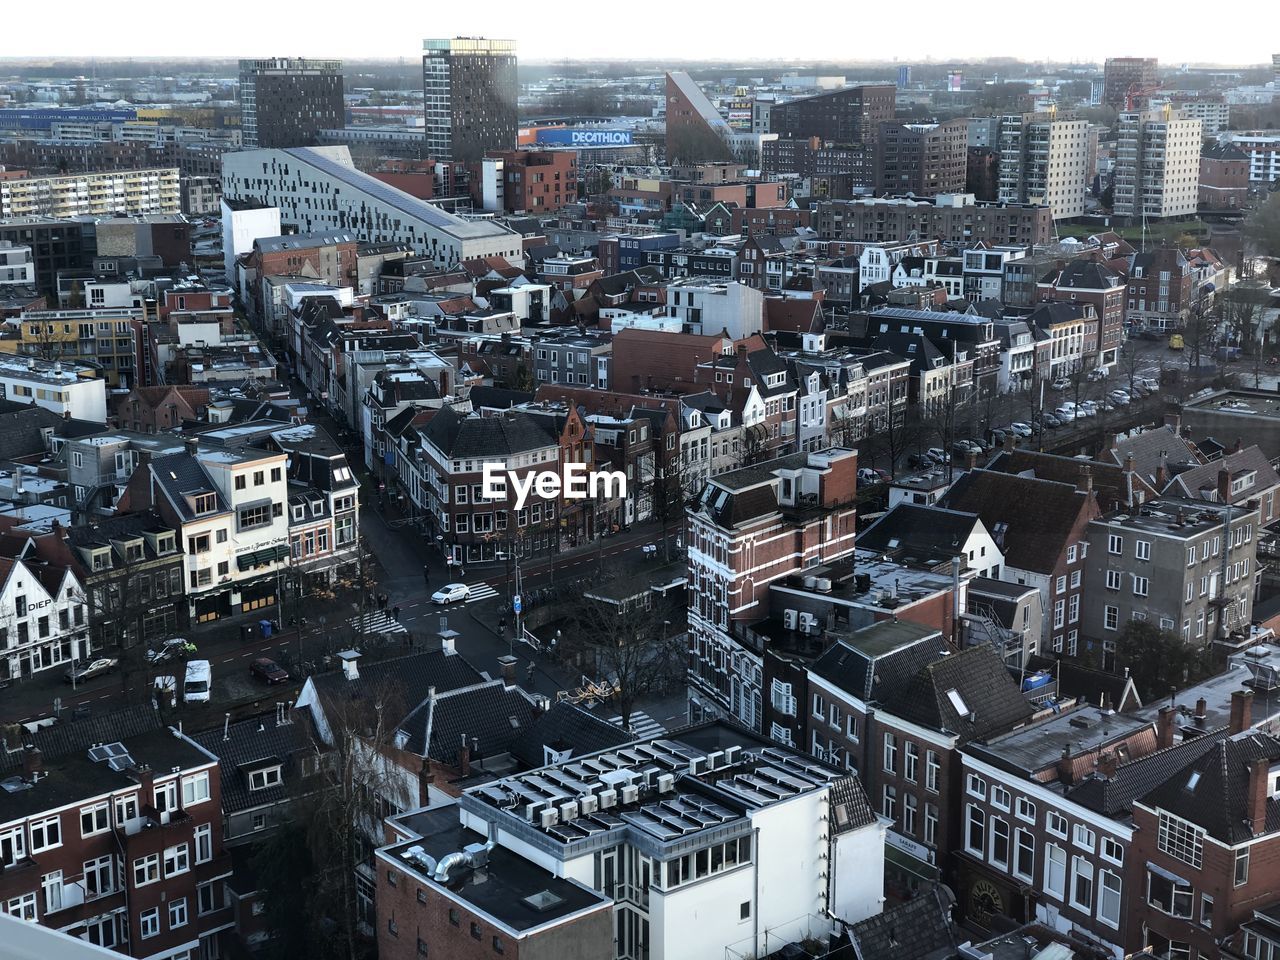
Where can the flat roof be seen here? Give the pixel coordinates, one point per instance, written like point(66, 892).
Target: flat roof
point(1254, 404)
point(513, 890)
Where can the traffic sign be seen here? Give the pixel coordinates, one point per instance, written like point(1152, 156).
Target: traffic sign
point(516, 604)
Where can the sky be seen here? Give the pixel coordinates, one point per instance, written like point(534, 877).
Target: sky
point(853, 30)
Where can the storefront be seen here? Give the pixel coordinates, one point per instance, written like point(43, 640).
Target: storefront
point(984, 895)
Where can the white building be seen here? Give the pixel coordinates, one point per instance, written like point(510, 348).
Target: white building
point(709, 843)
point(242, 223)
point(1263, 149)
point(17, 268)
point(93, 194)
point(68, 390)
point(1044, 159)
point(713, 307)
point(319, 188)
point(1157, 165)
point(43, 620)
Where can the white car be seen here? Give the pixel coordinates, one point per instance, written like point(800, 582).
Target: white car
point(1150, 383)
point(1020, 428)
point(451, 593)
point(1061, 383)
point(939, 455)
point(1066, 414)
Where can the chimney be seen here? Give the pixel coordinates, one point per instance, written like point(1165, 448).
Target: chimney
point(1084, 483)
point(350, 664)
point(1066, 769)
point(1164, 727)
point(507, 666)
point(1162, 472)
point(1107, 764)
point(1174, 420)
point(146, 778)
point(1259, 781)
point(971, 460)
point(1241, 712)
point(1224, 485)
point(1202, 711)
point(1129, 462)
point(1239, 445)
point(425, 779)
point(742, 349)
point(448, 645)
point(32, 764)
point(192, 445)
point(464, 757)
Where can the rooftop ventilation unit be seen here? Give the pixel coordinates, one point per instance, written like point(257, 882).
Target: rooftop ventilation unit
point(666, 783)
point(608, 798)
point(630, 794)
point(549, 817)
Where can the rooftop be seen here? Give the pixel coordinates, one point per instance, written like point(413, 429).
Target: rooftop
point(1175, 517)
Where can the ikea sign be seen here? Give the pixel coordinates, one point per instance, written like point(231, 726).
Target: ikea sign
point(570, 137)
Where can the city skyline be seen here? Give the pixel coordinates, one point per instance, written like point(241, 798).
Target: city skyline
point(1006, 29)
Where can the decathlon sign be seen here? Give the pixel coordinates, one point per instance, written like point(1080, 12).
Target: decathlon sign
point(570, 137)
point(572, 482)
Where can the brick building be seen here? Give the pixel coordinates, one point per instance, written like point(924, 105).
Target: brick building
point(1224, 177)
point(1091, 281)
point(533, 181)
point(851, 115)
point(922, 159)
point(114, 835)
point(956, 219)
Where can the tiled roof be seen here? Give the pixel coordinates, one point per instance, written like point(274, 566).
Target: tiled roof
point(407, 678)
point(1031, 520)
point(916, 929)
point(1113, 486)
point(253, 744)
point(486, 437)
point(850, 806)
point(566, 728)
point(969, 693)
point(1218, 800)
point(1147, 447)
point(879, 663)
point(1115, 794)
point(1198, 481)
point(180, 474)
point(489, 714)
point(921, 533)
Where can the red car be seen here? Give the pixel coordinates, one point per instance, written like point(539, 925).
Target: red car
point(268, 670)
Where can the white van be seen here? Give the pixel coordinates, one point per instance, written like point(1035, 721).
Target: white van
point(199, 678)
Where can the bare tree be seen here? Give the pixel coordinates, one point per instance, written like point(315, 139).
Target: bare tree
point(625, 634)
point(755, 445)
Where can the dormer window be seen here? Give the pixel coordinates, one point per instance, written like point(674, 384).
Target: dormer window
point(298, 511)
point(133, 552)
point(166, 543)
point(265, 778)
point(205, 503)
point(102, 559)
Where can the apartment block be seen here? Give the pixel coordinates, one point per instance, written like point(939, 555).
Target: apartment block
point(921, 159)
point(1044, 159)
point(92, 194)
point(957, 219)
point(1128, 81)
point(1157, 165)
point(286, 102)
point(852, 115)
point(470, 90)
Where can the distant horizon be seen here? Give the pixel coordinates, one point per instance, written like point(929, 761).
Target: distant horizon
point(934, 32)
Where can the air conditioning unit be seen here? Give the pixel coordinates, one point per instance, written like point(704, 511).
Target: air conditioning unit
point(789, 619)
point(808, 622)
point(588, 804)
point(532, 810)
point(569, 811)
point(550, 817)
point(630, 794)
point(666, 783)
point(608, 798)
point(714, 759)
point(697, 765)
point(731, 755)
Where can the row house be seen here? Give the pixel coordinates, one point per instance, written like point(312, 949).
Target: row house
point(228, 507)
point(1090, 281)
point(112, 834)
point(1018, 356)
point(984, 269)
point(895, 704)
point(1071, 330)
point(939, 380)
point(44, 620)
point(974, 332)
point(390, 393)
point(750, 528)
point(574, 360)
point(720, 262)
point(1049, 830)
point(1160, 293)
point(756, 384)
point(330, 258)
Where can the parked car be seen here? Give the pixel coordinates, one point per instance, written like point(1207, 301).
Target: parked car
point(1050, 420)
point(1020, 428)
point(1176, 342)
point(1062, 383)
point(939, 455)
point(1149, 334)
point(998, 436)
point(1065, 414)
point(170, 649)
point(1119, 397)
point(83, 670)
point(1099, 373)
point(966, 447)
point(1139, 390)
point(451, 593)
point(264, 668)
point(1088, 408)
point(867, 477)
point(1151, 383)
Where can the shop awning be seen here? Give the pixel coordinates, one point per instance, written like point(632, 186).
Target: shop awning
point(258, 558)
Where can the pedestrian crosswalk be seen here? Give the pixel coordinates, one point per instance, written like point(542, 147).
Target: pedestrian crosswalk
point(377, 621)
point(481, 591)
point(642, 725)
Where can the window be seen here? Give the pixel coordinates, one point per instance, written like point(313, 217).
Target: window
point(252, 517)
point(1026, 810)
point(1140, 586)
point(909, 807)
point(1059, 614)
point(930, 824)
point(1182, 840)
point(1168, 895)
point(1112, 850)
point(95, 819)
point(1191, 556)
point(1206, 910)
point(744, 910)
point(1111, 617)
point(475, 930)
point(99, 876)
point(149, 923)
point(1142, 549)
point(177, 913)
point(910, 761)
point(890, 753)
point(1061, 585)
point(999, 797)
point(1109, 898)
point(1055, 871)
point(166, 796)
point(782, 698)
point(204, 843)
point(889, 802)
point(497, 945)
point(1083, 837)
point(146, 869)
point(453, 916)
point(23, 907)
point(932, 767)
point(51, 885)
point(195, 789)
point(1115, 545)
point(1082, 884)
point(851, 726)
point(975, 833)
point(1024, 862)
point(999, 843)
point(126, 808)
point(262, 779)
point(976, 786)
point(206, 901)
point(1242, 867)
point(176, 860)
point(1056, 823)
point(45, 834)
